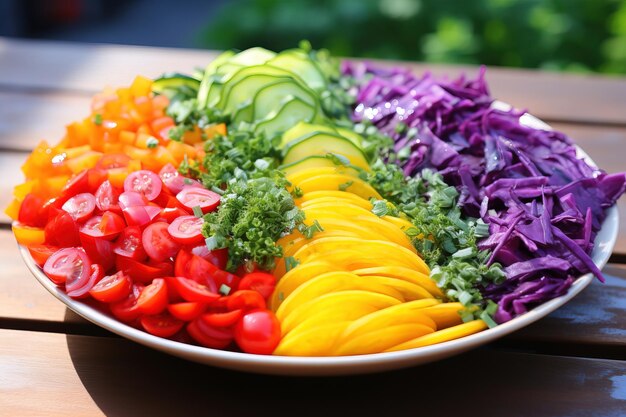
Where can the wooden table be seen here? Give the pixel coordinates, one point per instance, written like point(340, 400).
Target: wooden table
point(572, 363)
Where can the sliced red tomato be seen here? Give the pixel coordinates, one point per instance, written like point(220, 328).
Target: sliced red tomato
point(174, 181)
point(112, 288)
point(181, 265)
point(41, 253)
point(186, 311)
point(127, 310)
point(258, 332)
point(68, 264)
point(199, 197)
point(95, 178)
point(30, 212)
point(80, 206)
point(261, 282)
point(82, 291)
point(78, 184)
point(246, 300)
point(111, 225)
point(218, 257)
point(153, 298)
point(113, 160)
point(209, 336)
point(99, 251)
point(144, 182)
point(143, 272)
point(225, 319)
point(158, 243)
point(191, 290)
point(107, 197)
point(200, 270)
point(131, 199)
point(140, 215)
point(162, 325)
point(62, 231)
point(169, 214)
point(186, 230)
point(128, 244)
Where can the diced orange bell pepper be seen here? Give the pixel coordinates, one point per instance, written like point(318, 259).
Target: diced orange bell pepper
point(28, 236)
point(117, 176)
point(141, 86)
point(179, 150)
point(84, 161)
point(76, 151)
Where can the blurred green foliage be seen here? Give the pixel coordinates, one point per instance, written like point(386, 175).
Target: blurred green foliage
point(572, 35)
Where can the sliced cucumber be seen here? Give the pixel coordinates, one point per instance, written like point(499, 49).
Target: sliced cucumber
point(210, 77)
point(302, 129)
point(173, 81)
point(352, 135)
point(322, 144)
point(315, 161)
point(268, 97)
point(246, 72)
point(246, 89)
point(299, 63)
point(243, 114)
point(252, 56)
point(289, 113)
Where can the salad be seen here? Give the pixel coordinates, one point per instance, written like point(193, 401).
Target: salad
point(282, 203)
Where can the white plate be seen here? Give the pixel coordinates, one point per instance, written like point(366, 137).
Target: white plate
point(344, 365)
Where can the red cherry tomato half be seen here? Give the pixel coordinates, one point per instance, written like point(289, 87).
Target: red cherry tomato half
point(258, 332)
point(144, 182)
point(127, 310)
point(186, 230)
point(172, 179)
point(162, 325)
point(261, 282)
point(169, 214)
point(128, 244)
point(186, 311)
point(62, 231)
point(209, 336)
point(153, 298)
point(132, 199)
point(112, 288)
point(78, 184)
point(81, 291)
point(191, 290)
point(245, 300)
point(30, 212)
point(199, 197)
point(113, 160)
point(99, 251)
point(107, 197)
point(143, 272)
point(108, 226)
point(95, 178)
point(68, 265)
point(80, 206)
point(226, 319)
point(218, 257)
point(158, 243)
point(140, 215)
point(41, 253)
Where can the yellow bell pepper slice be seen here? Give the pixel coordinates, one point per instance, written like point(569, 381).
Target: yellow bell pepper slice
point(296, 277)
point(407, 274)
point(342, 195)
point(332, 282)
point(300, 176)
point(317, 341)
point(334, 300)
point(445, 314)
point(358, 201)
point(441, 336)
point(379, 340)
point(339, 182)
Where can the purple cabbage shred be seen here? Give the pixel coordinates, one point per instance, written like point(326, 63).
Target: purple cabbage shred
point(544, 204)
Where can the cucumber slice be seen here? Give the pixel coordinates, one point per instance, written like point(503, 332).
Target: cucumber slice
point(252, 56)
point(173, 81)
point(246, 72)
point(314, 161)
point(243, 114)
point(289, 113)
point(324, 143)
point(352, 135)
point(299, 63)
point(210, 77)
point(268, 97)
point(302, 129)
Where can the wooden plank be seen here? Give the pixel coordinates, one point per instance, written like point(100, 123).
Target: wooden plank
point(88, 68)
point(54, 374)
point(26, 118)
point(22, 299)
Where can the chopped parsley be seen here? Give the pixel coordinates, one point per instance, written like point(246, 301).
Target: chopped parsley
point(253, 215)
point(152, 142)
point(97, 119)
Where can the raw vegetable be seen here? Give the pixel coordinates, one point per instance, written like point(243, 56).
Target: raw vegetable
point(540, 200)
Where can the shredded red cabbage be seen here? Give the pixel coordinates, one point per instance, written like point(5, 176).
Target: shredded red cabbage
point(543, 204)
